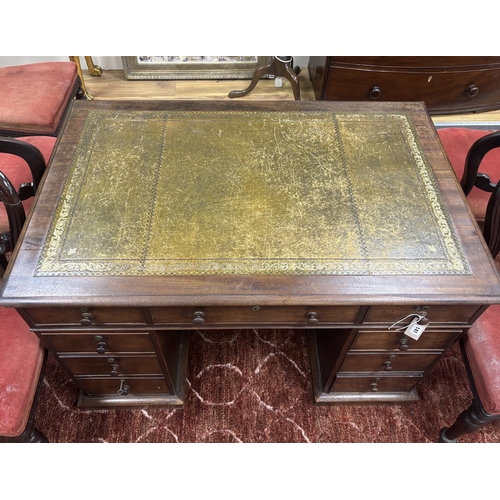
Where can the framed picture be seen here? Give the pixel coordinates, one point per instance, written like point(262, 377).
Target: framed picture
point(192, 67)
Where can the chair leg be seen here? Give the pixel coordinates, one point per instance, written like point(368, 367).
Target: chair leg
point(468, 421)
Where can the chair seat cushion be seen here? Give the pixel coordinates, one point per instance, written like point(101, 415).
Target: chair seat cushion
point(18, 172)
point(34, 96)
point(482, 346)
point(21, 360)
point(457, 142)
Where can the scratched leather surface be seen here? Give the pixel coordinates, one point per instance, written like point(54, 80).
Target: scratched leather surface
point(178, 193)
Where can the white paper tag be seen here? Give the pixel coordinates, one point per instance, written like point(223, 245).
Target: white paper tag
point(415, 330)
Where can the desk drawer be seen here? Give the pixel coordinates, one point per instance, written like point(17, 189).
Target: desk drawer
point(435, 313)
point(133, 386)
point(101, 342)
point(85, 316)
point(374, 384)
point(394, 340)
point(301, 316)
point(387, 362)
point(114, 366)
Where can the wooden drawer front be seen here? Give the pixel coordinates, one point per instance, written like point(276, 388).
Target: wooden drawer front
point(387, 362)
point(136, 386)
point(374, 384)
point(435, 314)
point(101, 343)
point(117, 366)
point(436, 88)
point(393, 340)
point(254, 315)
point(447, 63)
point(85, 316)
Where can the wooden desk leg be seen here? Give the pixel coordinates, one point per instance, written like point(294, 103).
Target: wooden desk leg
point(86, 95)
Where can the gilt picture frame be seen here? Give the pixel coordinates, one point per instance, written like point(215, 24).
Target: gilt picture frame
point(192, 67)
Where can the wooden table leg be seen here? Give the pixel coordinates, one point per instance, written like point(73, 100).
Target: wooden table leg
point(280, 66)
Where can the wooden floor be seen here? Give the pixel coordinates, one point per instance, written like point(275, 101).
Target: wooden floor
point(112, 85)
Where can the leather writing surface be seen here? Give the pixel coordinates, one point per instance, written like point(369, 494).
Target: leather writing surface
point(176, 193)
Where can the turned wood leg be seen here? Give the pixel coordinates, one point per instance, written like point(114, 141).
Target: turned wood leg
point(259, 73)
point(468, 421)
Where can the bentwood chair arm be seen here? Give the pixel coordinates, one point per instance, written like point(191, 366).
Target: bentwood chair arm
point(33, 158)
point(471, 177)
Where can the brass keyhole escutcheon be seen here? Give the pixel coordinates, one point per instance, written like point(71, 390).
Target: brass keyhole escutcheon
point(124, 388)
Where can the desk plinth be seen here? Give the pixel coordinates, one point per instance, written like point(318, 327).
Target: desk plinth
point(157, 218)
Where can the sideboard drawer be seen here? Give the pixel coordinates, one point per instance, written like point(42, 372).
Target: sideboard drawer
point(455, 84)
point(436, 87)
point(235, 315)
point(374, 384)
point(85, 316)
point(435, 314)
point(134, 386)
point(387, 362)
point(100, 342)
point(115, 366)
point(390, 339)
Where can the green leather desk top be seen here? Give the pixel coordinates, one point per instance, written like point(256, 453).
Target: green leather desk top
point(250, 192)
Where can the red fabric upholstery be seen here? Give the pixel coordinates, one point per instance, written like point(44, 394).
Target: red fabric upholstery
point(457, 142)
point(482, 345)
point(21, 360)
point(33, 97)
point(17, 170)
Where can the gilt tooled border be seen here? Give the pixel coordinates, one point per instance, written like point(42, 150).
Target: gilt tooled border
point(51, 265)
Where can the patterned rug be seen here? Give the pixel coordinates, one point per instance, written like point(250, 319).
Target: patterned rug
point(255, 387)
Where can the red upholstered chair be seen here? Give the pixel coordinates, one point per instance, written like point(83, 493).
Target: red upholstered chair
point(465, 159)
point(35, 98)
point(23, 162)
point(22, 362)
point(22, 358)
point(481, 345)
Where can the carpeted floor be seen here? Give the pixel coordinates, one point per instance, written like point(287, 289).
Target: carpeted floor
point(255, 387)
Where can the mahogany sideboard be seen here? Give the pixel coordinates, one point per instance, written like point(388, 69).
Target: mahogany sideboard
point(155, 218)
point(446, 84)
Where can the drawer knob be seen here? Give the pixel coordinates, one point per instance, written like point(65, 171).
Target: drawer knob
point(374, 92)
point(374, 387)
point(199, 317)
point(312, 318)
point(472, 90)
point(388, 366)
point(124, 388)
point(114, 370)
point(86, 319)
point(101, 347)
point(403, 345)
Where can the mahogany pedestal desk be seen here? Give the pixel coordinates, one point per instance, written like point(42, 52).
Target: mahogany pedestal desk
point(157, 218)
